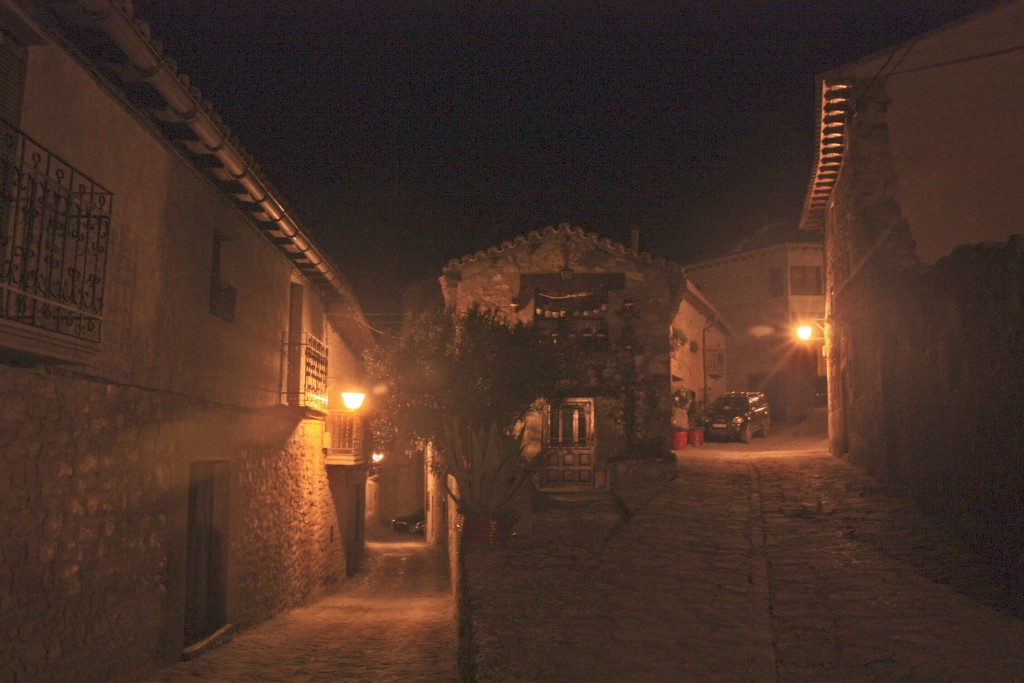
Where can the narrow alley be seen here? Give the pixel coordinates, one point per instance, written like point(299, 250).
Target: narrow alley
point(769, 561)
point(392, 622)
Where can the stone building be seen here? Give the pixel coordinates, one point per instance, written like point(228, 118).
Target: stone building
point(575, 284)
point(766, 287)
point(172, 349)
point(917, 188)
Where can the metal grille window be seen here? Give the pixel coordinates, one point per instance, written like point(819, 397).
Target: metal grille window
point(344, 439)
point(306, 372)
point(714, 362)
point(54, 227)
point(569, 424)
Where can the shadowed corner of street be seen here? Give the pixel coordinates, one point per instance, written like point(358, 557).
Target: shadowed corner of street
point(883, 516)
point(393, 620)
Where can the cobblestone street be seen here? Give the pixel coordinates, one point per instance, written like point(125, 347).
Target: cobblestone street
point(753, 565)
point(769, 561)
point(394, 621)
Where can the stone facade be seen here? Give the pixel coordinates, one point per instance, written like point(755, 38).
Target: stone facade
point(924, 320)
point(163, 478)
point(95, 513)
point(572, 282)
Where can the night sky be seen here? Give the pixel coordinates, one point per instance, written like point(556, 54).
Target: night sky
point(405, 134)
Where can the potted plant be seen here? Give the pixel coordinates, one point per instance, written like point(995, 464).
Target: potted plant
point(679, 437)
point(697, 418)
point(682, 402)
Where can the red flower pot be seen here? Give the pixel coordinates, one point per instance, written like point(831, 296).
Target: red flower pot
point(679, 440)
point(696, 437)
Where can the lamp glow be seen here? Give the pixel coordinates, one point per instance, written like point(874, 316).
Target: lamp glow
point(804, 331)
point(377, 457)
point(352, 400)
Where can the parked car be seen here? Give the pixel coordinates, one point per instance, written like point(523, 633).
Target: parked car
point(410, 524)
point(738, 415)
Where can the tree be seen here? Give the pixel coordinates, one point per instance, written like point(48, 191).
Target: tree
point(466, 381)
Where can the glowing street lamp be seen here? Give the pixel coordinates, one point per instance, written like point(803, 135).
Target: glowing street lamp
point(811, 329)
point(353, 400)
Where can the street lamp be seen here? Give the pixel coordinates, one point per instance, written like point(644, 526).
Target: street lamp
point(352, 400)
point(805, 331)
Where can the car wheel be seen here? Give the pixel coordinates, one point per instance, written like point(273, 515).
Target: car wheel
point(746, 434)
point(764, 428)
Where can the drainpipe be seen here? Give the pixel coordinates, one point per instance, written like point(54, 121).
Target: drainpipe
point(133, 38)
point(704, 349)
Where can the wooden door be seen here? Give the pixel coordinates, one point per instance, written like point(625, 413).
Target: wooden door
point(205, 577)
point(569, 444)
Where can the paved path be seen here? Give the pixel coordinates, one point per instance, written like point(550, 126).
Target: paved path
point(393, 622)
point(769, 561)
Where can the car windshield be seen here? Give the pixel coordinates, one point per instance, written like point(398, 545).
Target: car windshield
point(731, 402)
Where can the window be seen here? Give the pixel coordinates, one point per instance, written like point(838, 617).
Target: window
point(343, 439)
point(714, 362)
point(305, 360)
point(12, 78)
point(54, 229)
point(343, 431)
point(569, 424)
point(576, 316)
point(222, 295)
point(805, 280)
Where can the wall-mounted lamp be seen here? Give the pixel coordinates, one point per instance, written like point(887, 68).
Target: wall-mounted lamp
point(806, 330)
point(353, 400)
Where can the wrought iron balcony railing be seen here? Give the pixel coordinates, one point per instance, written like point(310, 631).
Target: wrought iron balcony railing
point(305, 380)
point(54, 227)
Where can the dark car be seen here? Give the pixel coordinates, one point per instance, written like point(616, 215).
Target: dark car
point(738, 415)
point(410, 524)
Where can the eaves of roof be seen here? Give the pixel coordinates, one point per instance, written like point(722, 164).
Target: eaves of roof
point(697, 299)
point(565, 229)
point(836, 104)
point(751, 254)
point(191, 121)
point(835, 100)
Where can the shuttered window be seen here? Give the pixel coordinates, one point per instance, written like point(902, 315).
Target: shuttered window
point(12, 79)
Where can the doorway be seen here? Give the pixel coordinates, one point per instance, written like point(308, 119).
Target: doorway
point(569, 443)
point(206, 561)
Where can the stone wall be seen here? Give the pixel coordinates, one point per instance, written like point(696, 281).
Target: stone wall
point(93, 521)
point(869, 258)
point(926, 383)
point(652, 286)
point(954, 395)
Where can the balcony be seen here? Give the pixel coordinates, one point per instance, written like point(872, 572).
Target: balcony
point(54, 228)
point(344, 439)
point(305, 379)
